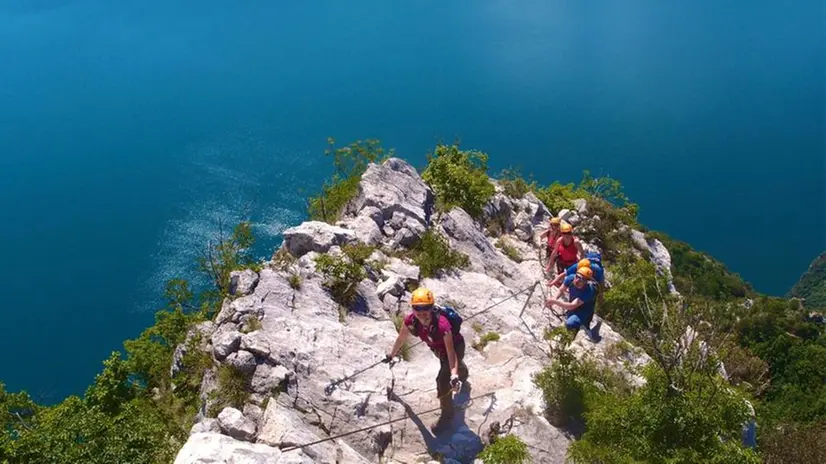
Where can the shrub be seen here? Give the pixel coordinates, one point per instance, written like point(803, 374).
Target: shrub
point(295, 281)
point(798, 443)
point(233, 390)
point(506, 450)
point(633, 280)
point(342, 276)
point(251, 324)
point(509, 250)
point(349, 164)
point(562, 387)
point(433, 255)
point(404, 351)
point(514, 185)
point(459, 178)
point(557, 196)
point(225, 254)
point(812, 284)
point(477, 327)
point(484, 340)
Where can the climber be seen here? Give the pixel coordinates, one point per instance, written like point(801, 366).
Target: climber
point(592, 260)
point(438, 327)
point(552, 234)
point(582, 298)
point(567, 248)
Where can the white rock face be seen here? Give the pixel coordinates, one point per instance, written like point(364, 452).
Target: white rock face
point(242, 282)
point(213, 448)
point(309, 346)
point(242, 360)
point(659, 255)
point(234, 424)
point(315, 236)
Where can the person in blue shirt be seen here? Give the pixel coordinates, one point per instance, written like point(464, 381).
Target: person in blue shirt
point(582, 294)
point(593, 260)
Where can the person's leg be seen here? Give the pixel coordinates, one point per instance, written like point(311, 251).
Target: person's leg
point(445, 398)
point(573, 323)
point(463, 370)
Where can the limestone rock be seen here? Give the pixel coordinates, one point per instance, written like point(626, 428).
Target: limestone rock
point(365, 229)
point(267, 379)
point(315, 236)
point(393, 285)
point(206, 426)
point(256, 343)
point(581, 206)
point(283, 427)
point(242, 360)
point(225, 343)
point(658, 255)
point(409, 273)
point(390, 187)
point(242, 282)
point(234, 424)
point(213, 448)
point(253, 412)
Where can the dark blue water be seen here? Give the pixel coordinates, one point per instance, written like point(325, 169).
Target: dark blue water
point(128, 130)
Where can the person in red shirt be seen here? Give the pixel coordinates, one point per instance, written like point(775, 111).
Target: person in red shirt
point(432, 325)
point(567, 249)
point(552, 234)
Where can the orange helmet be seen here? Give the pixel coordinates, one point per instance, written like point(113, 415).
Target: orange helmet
point(422, 297)
point(555, 220)
point(585, 273)
point(583, 263)
point(566, 228)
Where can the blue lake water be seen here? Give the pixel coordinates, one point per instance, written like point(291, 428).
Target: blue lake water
point(127, 129)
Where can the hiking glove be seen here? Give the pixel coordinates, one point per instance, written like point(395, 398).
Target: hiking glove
point(387, 359)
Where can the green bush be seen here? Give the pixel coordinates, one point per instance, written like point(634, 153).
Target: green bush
point(342, 276)
point(349, 164)
point(233, 390)
point(514, 185)
point(812, 284)
point(794, 443)
point(653, 424)
point(295, 281)
point(633, 280)
point(484, 340)
point(557, 197)
point(509, 250)
point(459, 178)
point(561, 384)
point(251, 324)
point(433, 255)
point(506, 450)
point(404, 351)
point(225, 254)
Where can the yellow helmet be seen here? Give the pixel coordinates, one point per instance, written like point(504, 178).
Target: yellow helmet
point(566, 228)
point(422, 297)
point(555, 220)
point(583, 263)
point(585, 273)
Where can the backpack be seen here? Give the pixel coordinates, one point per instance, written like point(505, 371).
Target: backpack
point(452, 316)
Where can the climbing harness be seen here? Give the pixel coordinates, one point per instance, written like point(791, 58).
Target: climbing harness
point(329, 389)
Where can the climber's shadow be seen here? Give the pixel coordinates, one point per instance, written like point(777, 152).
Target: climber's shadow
point(459, 442)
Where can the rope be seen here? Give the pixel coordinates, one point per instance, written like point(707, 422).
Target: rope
point(335, 383)
point(364, 429)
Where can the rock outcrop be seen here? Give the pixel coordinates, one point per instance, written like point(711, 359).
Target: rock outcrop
point(303, 344)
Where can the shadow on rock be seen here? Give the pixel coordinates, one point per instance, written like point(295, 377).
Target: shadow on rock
point(459, 443)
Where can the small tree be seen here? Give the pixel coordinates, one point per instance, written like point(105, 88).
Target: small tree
point(459, 178)
point(506, 450)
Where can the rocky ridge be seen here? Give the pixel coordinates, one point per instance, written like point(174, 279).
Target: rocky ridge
point(299, 343)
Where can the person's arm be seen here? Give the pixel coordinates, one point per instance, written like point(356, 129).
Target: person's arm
point(568, 307)
point(452, 359)
point(400, 339)
point(553, 253)
point(545, 233)
point(558, 279)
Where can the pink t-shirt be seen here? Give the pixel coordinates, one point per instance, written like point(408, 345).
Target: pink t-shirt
point(437, 343)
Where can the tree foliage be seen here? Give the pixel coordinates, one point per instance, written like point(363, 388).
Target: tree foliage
point(506, 450)
point(812, 284)
point(349, 163)
point(459, 178)
point(433, 255)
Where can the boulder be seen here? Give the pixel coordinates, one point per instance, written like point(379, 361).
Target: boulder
point(403, 238)
point(253, 412)
point(267, 379)
point(581, 206)
point(256, 343)
point(391, 187)
point(213, 448)
point(569, 216)
point(242, 360)
point(242, 282)
point(282, 427)
point(365, 229)
point(225, 343)
point(315, 236)
point(234, 424)
point(409, 273)
point(393, 285)
point(206, 426)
